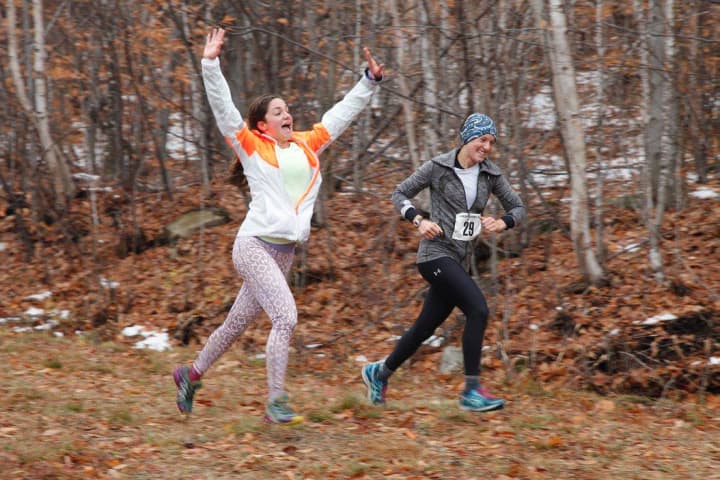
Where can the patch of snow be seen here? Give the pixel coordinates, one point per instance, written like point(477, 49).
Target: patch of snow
point(632, 247)
point(10, 319)
point(158, 341)
point(393, 338)
point(39, 296)
point(542, 110)
point(132, 331)
point(714, 361)
point(62, 314)
point(109, 284)
point(3, 246)
point(313, 345)
point(34, 312)
point(663, 317)
point(152, 340)
point(614, 332)
point(534, 327)
point(181, 143)
point(47, 325)
point(86, 177)
point(704, 194)
point(434, 341)
point(361, 359)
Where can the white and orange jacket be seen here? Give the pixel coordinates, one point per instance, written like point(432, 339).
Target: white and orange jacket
point(272, 213)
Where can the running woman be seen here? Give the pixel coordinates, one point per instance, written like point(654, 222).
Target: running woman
point(283, 172)
point(460, 183)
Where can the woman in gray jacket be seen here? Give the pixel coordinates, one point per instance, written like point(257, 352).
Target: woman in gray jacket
point(460, 183)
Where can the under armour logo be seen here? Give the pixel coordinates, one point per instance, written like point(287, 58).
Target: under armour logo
point(437, 272)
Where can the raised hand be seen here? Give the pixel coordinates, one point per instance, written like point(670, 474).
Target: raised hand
point(375, 70)
point(214, 43)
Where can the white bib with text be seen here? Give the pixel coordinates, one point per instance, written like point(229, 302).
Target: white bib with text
point(467, 226)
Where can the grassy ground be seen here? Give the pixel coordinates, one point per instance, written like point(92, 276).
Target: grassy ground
point(74, 408)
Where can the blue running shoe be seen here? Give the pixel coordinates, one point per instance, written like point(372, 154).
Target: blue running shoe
point(478, 400)
point(376, 387)
point(278, 411)
point(185, 388)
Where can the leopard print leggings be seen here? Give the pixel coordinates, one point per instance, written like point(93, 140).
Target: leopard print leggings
point(264, 269)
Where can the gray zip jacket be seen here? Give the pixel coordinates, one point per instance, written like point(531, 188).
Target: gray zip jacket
point(447, 198)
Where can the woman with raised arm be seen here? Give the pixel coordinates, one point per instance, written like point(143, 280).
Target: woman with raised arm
point(460, 183)
point(283, 172)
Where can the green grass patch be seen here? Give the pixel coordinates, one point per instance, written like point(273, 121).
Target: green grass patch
point(121, 416)
point(542, 422)
point(74, 407)
point(359, 408)
point(320, 416)
point(244, 425)
point(52, 363)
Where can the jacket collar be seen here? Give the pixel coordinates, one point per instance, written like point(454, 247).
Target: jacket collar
point(448, 160)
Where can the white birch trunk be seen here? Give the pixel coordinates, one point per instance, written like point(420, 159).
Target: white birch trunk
point(566, 100)
point(61, 180)
point(429, 67)
point(408, 114)
point(197, 110)
point(655, 159)
point(599, 161)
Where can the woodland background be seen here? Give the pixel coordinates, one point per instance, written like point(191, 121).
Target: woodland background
point(609, 126)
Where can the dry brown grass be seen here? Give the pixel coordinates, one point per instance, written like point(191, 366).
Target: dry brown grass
point(73, 408)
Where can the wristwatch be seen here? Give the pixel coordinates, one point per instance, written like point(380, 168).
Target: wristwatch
point(417, 220)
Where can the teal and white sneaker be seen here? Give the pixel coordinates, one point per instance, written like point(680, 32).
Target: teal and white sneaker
point(278, 411)
point(479, 400)
point(185, 388)
point(376, 388)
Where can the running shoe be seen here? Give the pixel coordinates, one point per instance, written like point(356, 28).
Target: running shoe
point(375, 387)
point(278, 411)
point(185, 388)
point(478, 400)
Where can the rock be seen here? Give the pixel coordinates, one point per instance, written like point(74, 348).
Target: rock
point(451, 360)
point(193, 221)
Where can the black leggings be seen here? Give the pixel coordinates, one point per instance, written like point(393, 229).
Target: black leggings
point(450, 286)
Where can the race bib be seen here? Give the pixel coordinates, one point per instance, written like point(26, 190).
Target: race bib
point(467, 226)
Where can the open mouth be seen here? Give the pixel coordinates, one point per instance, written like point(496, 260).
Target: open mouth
point(287, 127)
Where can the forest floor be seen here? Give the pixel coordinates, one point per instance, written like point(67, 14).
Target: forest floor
point(618, 381)
point(73, 408)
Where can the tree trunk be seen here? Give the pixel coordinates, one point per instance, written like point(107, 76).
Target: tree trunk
point(698, 125)
point(599, 149)
point(655, 125)
point(409, 115)
point(429, 68)
point(63, 187)
point(361, 122)
point(566, 101)
point(659, 132)
point(423, 199)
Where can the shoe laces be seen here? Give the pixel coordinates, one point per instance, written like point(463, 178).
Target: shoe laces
point(485, 393)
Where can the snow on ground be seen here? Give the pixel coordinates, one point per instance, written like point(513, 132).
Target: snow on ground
point(152, 339)
point(705, 194)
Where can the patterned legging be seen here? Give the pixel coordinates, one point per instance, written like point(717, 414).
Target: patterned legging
point(264, 269)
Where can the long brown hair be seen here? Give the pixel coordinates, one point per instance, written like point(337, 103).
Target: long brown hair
point(256, 114)
point(258, 109)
